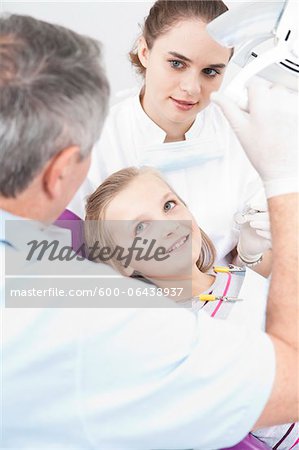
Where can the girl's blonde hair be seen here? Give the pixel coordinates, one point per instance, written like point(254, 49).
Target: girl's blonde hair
point(165, 13)
point(96, 230)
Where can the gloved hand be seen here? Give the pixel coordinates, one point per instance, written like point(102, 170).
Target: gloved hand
point(255, 235)
point(268, 133)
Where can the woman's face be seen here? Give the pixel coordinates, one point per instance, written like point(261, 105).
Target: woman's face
point(182, 69)
point(149, 210)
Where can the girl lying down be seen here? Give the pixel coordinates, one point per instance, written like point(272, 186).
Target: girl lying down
point(136, 208)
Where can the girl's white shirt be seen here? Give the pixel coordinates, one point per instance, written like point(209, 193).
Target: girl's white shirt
point(209, 170)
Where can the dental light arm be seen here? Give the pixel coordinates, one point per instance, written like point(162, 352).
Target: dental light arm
point(265, 36)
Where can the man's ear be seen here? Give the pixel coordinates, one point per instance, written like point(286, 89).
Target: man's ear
point(58, 169)
point(143, 51)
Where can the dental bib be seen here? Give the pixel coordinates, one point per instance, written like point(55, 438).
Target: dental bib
point(172, 156)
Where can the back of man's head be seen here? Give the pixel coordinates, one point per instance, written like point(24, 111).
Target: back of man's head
point(53, 94)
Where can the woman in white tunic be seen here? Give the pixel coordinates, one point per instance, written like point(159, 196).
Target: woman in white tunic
point(119, 211)
point(172, 126)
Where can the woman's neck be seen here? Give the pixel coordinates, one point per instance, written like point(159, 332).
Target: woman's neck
point(174, 137)
point(175, 131)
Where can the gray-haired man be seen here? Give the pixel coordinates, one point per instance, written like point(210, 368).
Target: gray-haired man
point(122, 378)
point(54, 97)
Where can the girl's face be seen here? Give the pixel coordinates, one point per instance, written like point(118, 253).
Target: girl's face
point(148, 209)
point(182, 69)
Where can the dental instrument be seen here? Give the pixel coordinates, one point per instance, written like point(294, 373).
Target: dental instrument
point(211, 297)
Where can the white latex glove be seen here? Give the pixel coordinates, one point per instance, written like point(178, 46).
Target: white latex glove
point(268, 133)
point(255, 235)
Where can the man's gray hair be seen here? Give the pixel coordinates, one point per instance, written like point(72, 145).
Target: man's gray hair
point(53, 94)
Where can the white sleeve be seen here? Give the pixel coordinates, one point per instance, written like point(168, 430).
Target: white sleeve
point(166, 378)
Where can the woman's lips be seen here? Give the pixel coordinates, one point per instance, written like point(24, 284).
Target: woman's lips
point(183, 105)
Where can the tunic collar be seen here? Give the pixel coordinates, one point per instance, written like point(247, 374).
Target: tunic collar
point(148, 131)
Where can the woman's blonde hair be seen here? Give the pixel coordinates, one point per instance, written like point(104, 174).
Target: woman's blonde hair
point(97, 231)
point(165, 13)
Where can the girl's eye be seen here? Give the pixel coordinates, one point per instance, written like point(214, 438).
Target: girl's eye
point(169, 205)
point(140, 227)
point(175, 64)
point(211, 72)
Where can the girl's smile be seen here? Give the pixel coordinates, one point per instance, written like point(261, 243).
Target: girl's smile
point(160, 218)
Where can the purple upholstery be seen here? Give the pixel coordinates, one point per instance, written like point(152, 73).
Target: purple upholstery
point(72, 222)
point(250, 442)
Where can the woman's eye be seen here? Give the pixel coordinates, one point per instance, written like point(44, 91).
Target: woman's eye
point(140, 227)
point(176, 64)
point(169, 205)
point(211, 72)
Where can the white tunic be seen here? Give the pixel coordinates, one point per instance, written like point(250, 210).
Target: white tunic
point(209, 170)
point(123, 378)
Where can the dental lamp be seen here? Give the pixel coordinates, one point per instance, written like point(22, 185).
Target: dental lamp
point(265, 37)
